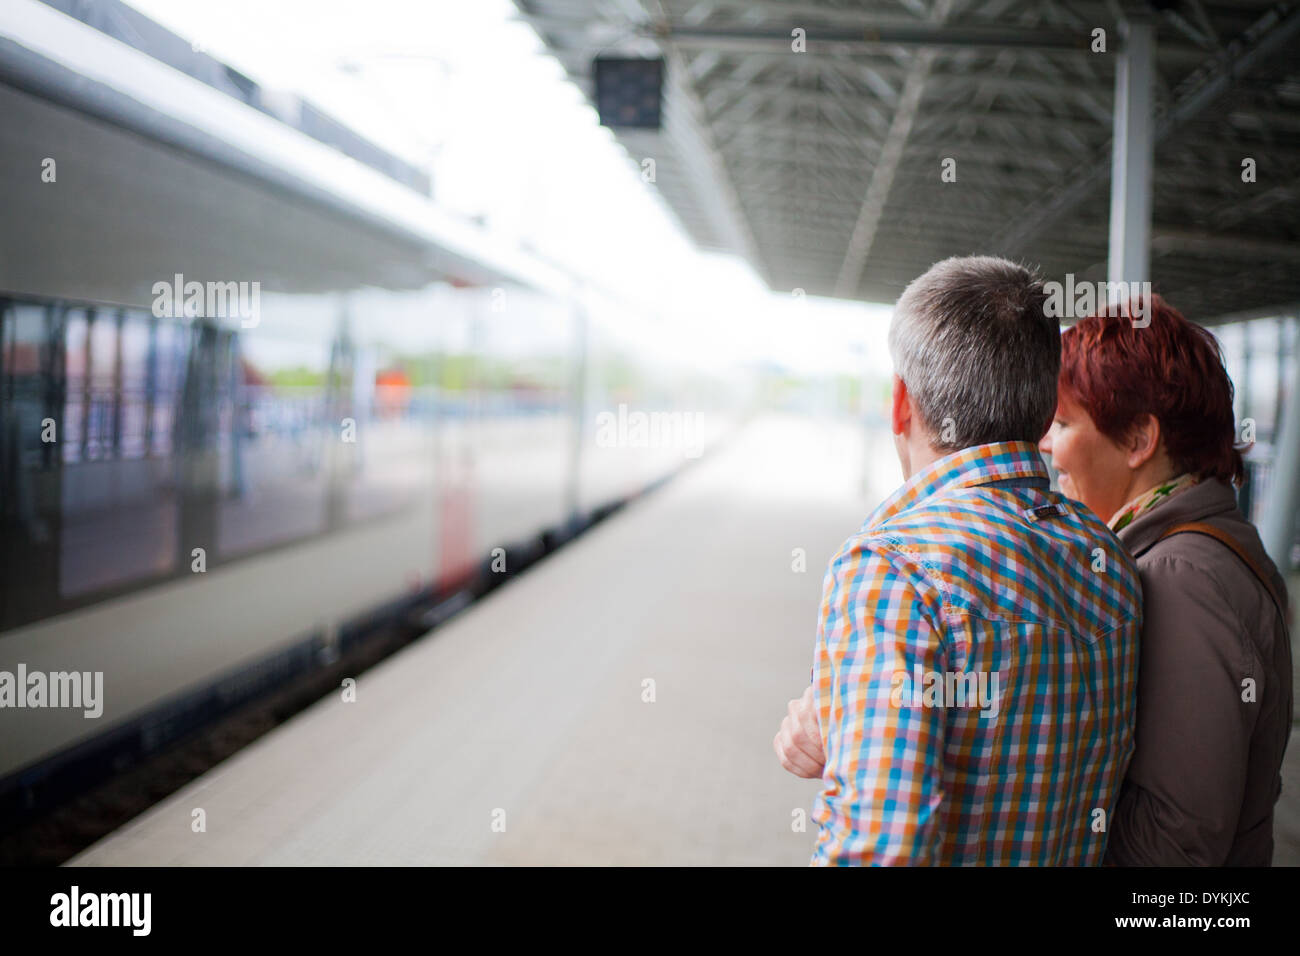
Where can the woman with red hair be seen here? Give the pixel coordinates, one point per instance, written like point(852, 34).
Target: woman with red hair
point(1144, 436)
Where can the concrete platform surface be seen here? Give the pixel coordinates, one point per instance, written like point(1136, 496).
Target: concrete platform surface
point(521, 731)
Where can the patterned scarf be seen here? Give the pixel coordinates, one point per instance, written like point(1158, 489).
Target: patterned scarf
point(1149, 499)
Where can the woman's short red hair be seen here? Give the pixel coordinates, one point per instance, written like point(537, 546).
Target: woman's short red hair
point(1172, 369)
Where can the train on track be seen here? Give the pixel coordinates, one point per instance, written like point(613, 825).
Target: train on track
point(257, 390)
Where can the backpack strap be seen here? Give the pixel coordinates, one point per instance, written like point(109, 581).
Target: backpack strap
point(1200, 527)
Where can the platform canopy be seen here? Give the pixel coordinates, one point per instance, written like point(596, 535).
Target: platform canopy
point(813, 137)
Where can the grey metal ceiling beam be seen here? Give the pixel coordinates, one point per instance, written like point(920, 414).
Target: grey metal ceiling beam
point(830, 154)
point(945, 84)
point(821, 12)
point(743, 39)
point(784, 139)
point(873, 73)
point(1015, 130)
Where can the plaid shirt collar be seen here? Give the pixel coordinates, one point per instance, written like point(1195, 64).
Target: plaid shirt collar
point(976, 465)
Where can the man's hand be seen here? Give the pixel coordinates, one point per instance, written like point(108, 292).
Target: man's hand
point(798, 744)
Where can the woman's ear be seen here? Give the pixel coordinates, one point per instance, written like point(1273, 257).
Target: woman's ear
point(1143, 441)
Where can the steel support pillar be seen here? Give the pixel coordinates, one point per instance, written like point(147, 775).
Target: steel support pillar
point(1132, 154)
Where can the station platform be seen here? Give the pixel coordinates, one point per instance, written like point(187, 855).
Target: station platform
point(529, 710)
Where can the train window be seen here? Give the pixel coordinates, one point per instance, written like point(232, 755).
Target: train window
point(119, 501)
point(524, 348)
point(274, 431)
point(76, 426)
point(392, 399)
point(31, 384)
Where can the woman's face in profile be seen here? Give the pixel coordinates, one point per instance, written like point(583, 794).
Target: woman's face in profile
point(1091, 468)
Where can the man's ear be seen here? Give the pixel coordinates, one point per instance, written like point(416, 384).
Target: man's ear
point(900, 408)
point(1047, 425)
point(1143, 441)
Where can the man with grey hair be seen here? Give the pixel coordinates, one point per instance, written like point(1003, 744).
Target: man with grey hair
point(972, 699)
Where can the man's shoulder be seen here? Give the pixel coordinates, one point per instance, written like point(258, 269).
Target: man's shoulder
point(965, 534)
